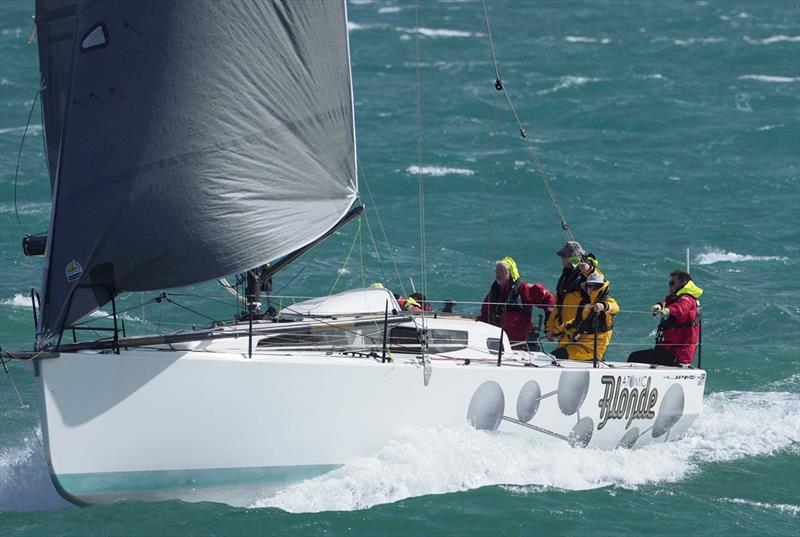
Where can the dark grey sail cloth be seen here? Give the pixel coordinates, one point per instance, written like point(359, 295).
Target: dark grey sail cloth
point(55, 31)
point(201, 138)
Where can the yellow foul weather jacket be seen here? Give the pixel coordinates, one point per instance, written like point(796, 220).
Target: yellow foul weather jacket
point(568, 297)
point(579, 332)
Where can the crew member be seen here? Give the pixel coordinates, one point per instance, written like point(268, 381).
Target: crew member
point(510, 302)
point(593, 323)
point(577, 266)
point(679, 329)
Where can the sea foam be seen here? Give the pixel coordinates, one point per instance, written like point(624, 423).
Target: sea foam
point(25, 480)
point(771, 78)
point(18, 301)
point(773, 39)
point(435, 461)
point(719, 256)
point(437, 171)
point(438, 32)
point(570, 82)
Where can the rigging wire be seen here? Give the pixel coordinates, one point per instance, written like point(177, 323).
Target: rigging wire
point(494, 178)
point(349, 253)
point(375, 248)
point(19, 157)
point(383, 230)
point(22, 403)
point(424, 332)
point(499, 86)
point(420, 179)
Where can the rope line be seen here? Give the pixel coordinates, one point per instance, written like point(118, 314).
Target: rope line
point(19, 158)
point(22, 404)
point(499, 86)
point(375, 248)
point(420, 180)
point(383, 230)
point(349, 253)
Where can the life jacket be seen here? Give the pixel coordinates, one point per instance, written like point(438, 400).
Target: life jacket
point(570, 283)
point(512, 302)
point(595, 321)
point(671, 324)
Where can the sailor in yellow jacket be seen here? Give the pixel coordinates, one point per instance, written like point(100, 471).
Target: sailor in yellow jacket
point(577, 267)
point(594, 318)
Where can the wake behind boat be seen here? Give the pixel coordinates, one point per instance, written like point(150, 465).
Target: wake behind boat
point(183, 156)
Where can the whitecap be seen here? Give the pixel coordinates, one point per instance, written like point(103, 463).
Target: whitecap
point(698, 40)
point(34, 130)
point(437, 171)
point(438, 32)
point(773, 39)
point(770, 78)
point(425, 461)
point(18, 301)
point(719, 256)
point(793, 510)
point(583, 39)
point(106, 315)
point(390, 9)
point(352, 26)
point(569, 82)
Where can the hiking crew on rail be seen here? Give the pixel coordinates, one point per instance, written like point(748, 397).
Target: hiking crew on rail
point(679, 330)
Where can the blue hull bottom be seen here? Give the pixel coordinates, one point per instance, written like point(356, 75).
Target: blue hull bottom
point(236, 486)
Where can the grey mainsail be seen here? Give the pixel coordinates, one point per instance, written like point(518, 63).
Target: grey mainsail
point(55, 30)
point(201, 138)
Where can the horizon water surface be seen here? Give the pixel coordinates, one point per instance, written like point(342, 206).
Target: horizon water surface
point(662, 125)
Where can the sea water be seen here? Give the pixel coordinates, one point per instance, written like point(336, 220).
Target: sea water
point(661, 126)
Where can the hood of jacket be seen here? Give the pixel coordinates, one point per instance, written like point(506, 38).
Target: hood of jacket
point(690, 289)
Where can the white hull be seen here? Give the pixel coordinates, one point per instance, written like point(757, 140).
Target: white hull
point(193, 425)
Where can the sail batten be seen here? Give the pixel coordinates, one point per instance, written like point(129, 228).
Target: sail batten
point(202, 138)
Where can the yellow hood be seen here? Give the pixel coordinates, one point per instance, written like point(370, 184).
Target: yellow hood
point(690, 289)
point(512, 267)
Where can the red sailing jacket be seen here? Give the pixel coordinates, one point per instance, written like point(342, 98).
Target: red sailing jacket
point(514, 312)
point(681, 330)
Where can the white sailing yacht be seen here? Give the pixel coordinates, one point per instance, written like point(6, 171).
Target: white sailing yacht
point(193, 139)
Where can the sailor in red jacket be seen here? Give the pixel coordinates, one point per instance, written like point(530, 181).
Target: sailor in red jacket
point(679, 329)
point(510, 302)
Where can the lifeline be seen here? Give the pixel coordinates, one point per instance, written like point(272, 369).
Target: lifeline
point(620, 403)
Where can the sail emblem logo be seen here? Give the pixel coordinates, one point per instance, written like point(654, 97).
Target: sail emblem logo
point(73, 270)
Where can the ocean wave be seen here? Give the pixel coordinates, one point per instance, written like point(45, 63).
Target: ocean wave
point(719, 256)
point(582, 39)
point(698, 41)
point(390, 9)
point(570, 82)
point(35, 130)
point(24, 208)
point(439, 32)
point(419, 462)
point(771, 78)
point(773, 39)
point(438, 171)
point(782, 507)
point(18, 301)
point(352, 26)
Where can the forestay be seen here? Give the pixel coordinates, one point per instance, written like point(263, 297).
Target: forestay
point(201, 138)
